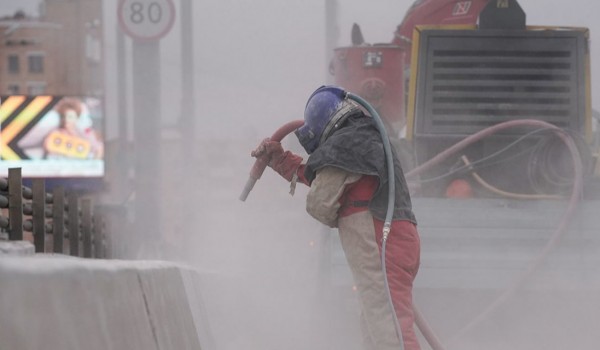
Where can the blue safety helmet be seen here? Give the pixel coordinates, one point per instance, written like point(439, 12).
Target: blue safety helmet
point(325, 111)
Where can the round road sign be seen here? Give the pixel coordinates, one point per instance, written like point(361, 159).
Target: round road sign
point(146, 19)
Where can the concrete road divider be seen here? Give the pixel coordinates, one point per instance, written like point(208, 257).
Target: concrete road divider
point(55, 302)
point(15, 248)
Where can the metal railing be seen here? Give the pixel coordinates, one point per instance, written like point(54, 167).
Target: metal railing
point(70, 222)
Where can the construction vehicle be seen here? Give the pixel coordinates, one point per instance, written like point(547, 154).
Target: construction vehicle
point(493, 122)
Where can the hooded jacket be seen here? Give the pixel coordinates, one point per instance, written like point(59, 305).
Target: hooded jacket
point(357, 148)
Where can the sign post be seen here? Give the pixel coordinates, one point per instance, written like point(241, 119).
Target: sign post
point(146, 22)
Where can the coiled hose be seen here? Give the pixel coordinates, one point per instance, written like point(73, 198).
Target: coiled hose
point(560, 230)
point(422, 324)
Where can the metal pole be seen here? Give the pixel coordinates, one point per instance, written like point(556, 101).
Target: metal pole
point(122, 93)
point(73, 224)
point(58, 218)
point(15, 205)
point(188, 111)
point(98, 232)
point(146, 103)
point(108, 244)
point(332, 34)
point(187, 120)
point(86, 227)
point(38, 204)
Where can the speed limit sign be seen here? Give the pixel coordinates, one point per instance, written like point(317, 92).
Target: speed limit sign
point(146, 19)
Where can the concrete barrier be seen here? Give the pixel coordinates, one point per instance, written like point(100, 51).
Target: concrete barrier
point(18, 248)
point(58, 302)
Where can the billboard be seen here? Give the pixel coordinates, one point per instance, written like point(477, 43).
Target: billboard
point(52, 136)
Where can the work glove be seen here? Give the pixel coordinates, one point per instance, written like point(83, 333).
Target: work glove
point(285, 163)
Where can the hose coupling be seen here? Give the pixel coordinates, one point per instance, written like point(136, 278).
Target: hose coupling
point(386, 231)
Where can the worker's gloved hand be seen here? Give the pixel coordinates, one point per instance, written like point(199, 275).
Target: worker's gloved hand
point(285, 163)
point(267, 148)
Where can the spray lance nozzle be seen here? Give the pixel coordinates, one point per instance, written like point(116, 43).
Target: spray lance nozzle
point(261, 162)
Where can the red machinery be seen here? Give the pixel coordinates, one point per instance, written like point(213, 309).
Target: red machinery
point(476, 68)
point(375, 73)
point(435, 12)
point(472, 73)
point(455, 67)
point(380, 72)
point(510, 97)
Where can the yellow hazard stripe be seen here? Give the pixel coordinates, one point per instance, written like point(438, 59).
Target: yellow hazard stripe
point(8, 106)
point(7, 153)
point(19, 123)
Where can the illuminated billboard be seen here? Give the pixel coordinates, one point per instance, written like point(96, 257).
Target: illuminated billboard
point(52, 136)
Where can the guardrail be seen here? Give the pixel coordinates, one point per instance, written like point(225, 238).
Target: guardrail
point(59, 217)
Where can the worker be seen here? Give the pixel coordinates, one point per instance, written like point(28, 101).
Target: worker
point(347, 174)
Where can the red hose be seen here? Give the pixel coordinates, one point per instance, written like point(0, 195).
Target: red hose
point(561, 229)
point(261, 163)
point(426, 330)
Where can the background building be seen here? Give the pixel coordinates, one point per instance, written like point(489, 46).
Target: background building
point(29, 58)
point(59, 52)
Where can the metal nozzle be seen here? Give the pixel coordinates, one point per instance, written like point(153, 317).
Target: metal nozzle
point(249, 185)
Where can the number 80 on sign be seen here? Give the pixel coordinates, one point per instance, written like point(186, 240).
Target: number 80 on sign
point(146, 19)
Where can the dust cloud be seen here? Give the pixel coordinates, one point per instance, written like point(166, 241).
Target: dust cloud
point(275, 278)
